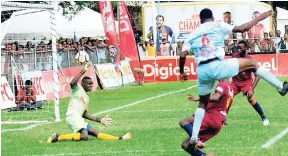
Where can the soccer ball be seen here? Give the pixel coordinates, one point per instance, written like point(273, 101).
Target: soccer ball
point(82, 57)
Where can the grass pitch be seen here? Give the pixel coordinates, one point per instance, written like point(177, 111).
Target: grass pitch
point(154, 125)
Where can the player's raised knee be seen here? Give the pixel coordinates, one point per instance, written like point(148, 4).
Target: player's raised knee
point(255, 64)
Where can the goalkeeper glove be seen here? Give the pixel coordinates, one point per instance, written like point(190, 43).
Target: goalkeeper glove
point(86, 67)
point(106, 121)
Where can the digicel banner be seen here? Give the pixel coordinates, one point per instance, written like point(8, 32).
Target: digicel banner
point(166, 68)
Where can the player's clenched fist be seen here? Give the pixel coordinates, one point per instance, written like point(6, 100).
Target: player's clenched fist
point(266, 14)
point(106, 121)
point(183, 77)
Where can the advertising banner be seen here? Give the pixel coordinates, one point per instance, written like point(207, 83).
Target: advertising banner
point(7, 96)
point(167, 68)
point(37, 83)
point(179, 19)
point(64, 88)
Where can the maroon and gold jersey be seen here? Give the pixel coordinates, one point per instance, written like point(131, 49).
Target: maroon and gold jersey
point(242, 78)
point(225, 101)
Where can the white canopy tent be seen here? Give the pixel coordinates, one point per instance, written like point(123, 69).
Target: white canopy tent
point(29, 24)
point(282, 19)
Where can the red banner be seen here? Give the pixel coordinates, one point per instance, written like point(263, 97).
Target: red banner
point(7, 96)
point(127, 45)
point(166, 68)
point(64, 88)
point(106, 11)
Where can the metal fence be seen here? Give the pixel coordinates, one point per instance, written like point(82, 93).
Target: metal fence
point(258, 45)
point(16, 62)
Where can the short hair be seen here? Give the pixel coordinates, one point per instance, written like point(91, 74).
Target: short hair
point(265, 33)
point(85, 79)
point(243, 42)
point(205, 14)
point(256, 12)
point(160, 16)
point(227, 12)
point(28, 83)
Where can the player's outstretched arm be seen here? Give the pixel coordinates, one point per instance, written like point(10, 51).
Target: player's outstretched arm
point(245, 27)
point(105, 120)
point(74, 81)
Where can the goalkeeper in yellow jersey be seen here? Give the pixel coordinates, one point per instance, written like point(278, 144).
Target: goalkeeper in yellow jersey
point(77, 112)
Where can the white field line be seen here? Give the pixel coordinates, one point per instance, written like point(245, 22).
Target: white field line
point(102, 112)
point(25, 128)
point(144, 100)
point(163, 110)
point(275, 139)
point(142, 151)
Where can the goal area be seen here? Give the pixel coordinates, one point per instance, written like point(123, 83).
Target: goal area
point(25, 57)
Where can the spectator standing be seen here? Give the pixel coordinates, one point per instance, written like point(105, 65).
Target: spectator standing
point(141, 49)
point(151, 48)
point(267, 44)
point(279, 42)
point(102, 51)
point(256, 45)
point(179, 47)
point(227, 17)
point(138, 35)
point(271, 34)
point(258, 29)
point(285, 41)
point(165, 48)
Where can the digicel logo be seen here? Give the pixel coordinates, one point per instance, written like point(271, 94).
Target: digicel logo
point(164, 72)
point(269, 65)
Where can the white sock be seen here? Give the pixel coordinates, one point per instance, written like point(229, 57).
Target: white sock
point(198, 117)
point(267, 76)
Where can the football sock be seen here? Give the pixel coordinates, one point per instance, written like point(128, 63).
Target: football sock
point(198, 117)
point(188, 129)
point(193, 152)
point(72, 136)
point(259, 110)
point(104, 136)
point(267, 76)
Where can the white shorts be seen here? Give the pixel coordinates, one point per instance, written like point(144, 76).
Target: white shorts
point(215, 70)
point(76, 123)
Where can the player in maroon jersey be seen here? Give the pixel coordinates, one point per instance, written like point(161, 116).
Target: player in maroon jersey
point(246, 82)
point(214, 118)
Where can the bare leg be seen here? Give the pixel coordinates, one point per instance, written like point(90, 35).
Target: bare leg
point(245, 64)
point(93, 132)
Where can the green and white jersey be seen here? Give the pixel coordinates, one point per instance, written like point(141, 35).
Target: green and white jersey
point(78, 102)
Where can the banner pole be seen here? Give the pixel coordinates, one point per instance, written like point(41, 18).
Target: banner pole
point(277, 60)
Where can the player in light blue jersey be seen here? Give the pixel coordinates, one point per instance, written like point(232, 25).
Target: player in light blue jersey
point(206, 42)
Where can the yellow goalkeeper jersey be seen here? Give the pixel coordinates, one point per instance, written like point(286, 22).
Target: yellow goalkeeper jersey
point(78, 102)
